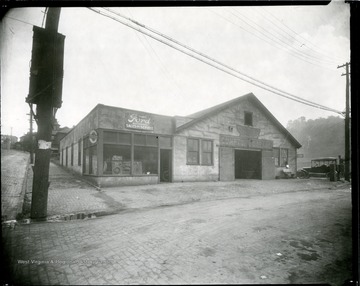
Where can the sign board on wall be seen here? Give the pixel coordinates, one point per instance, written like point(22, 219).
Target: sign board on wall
point(93, 136)
point(236, 142)
point(139, 121)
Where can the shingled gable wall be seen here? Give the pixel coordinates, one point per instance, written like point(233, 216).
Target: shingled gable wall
point(229, 122)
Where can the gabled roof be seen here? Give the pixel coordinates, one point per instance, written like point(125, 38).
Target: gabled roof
point(203, 114)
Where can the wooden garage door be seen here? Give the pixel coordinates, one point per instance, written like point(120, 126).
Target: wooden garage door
point(227, 167)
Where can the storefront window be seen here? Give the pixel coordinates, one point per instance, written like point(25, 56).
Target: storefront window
point(79, 153)
point(139, 139)
point(124, 138)
point(145, 160)
point(151, 140)
point(117, 160)
point(90, 161)
point(118, 156)
point(72, 155)
point(165, 142)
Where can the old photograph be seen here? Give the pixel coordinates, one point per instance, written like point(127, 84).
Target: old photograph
point(177, 145)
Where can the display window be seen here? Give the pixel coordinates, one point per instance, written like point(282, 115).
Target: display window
point(117, 160)
point(145, 160)
point(131, 153)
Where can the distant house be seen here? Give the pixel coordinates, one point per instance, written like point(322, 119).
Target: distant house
point(238, 139)
point(57, 134)
point(7, 141)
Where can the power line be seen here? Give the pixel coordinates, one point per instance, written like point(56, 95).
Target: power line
point(279, 43)
point(218, 65)
point(306, 40)
point(286, 43)
point(19, 20)
point(163, 67)
point(217, 62)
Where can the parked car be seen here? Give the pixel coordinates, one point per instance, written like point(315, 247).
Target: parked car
point(320, 167)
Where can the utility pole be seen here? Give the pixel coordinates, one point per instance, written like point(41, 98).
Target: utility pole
point(45, 90)
point(347, 123)
point(31, 136)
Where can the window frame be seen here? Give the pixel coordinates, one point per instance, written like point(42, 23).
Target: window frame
point(72, 154)
point(200, 152)
point(79, 152)
point(281, 160)
point(192, 151)
point(247, 118)
point(211, 152)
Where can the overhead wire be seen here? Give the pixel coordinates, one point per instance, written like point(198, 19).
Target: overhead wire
point(163, 67)
point(214, 60)
point(303, 42)
point(219, 65)
point(272, 42)
point(19, 20)
point(324, 53)
point(282, 41)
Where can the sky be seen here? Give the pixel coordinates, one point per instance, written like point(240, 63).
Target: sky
point(296, 49)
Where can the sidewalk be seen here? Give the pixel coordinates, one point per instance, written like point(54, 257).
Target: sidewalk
point(72, 197)
point(14, 167)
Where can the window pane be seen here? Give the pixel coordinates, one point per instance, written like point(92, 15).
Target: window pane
point(284, 157)
point(248, 118)
point(192, 157)
point(165, 142)
point(206, 159)
point(93, 160)
point(110, 137)
point(139, 139)
point(117, 160)
point(193, 145)
point(145, 160)
point(125, 138)
point(207, 146)
point(72, 154)
point(86, 142)
point(86, 161)
point(79, 153)
point(151, 140)
point(276, 154)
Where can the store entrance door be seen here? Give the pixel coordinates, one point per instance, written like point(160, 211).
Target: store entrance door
point(165, 165)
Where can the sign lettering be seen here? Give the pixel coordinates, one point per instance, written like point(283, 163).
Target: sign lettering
point(139, 121)
point(236, 142)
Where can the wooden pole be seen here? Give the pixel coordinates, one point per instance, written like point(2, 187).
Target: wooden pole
point(44, 113)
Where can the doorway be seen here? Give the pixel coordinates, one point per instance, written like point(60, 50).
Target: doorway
point(247, 164)
point(165, 165)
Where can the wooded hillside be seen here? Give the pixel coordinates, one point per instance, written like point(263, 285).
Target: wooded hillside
point(322, 137)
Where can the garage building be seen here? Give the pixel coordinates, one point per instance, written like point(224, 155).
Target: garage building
point(238, 139)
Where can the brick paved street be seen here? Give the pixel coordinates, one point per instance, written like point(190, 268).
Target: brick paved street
point(288, 237)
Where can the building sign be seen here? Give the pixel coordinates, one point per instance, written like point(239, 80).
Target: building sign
point(300, 155)
point(93, 136)
point(139, 122)
point(247, 131)
point(236, 142)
